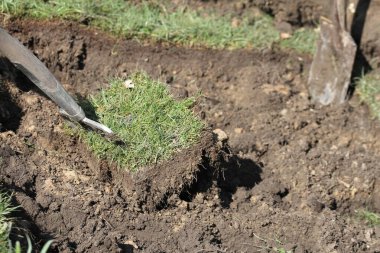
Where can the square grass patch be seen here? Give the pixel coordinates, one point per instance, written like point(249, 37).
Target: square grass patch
point(150, 123)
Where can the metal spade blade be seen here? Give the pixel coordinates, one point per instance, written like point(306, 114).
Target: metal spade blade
point(330, 72)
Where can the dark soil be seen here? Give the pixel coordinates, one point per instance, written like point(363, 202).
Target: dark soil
point(299, 175)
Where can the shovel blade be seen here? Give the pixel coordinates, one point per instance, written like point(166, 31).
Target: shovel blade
point(330, 72)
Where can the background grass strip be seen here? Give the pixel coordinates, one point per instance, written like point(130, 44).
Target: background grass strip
point(152, 21)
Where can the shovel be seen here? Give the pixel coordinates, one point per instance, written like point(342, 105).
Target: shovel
point(331, 69)
point(36, 71)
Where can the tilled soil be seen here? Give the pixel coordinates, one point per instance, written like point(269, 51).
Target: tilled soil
point(299, 175)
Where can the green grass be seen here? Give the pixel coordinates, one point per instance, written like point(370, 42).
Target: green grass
point(370, 218)
point(152, 21)
point(149, 121)
point(5, 222)
point(303, 40)
point(368, 88)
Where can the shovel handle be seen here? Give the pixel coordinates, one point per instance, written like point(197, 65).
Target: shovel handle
point(37, 72)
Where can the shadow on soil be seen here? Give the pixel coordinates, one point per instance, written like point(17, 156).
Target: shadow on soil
point(11, 73)
point(10, 112)
point(239, 172)
point(235, 173)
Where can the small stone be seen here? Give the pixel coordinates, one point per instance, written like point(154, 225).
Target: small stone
point(221, 135)
point(353, 192)
point(31, 99)
point(129, 84)
point(235, 22)
point(351, 8)
point(254, 199)
point(284, 112)
point(260, 147)
point(285, 36)
point(238, 130)
point(218, 114)
point(369, 234)
point(31, 128)
point(200, 198)
point(302, 94)
point(184, 205)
